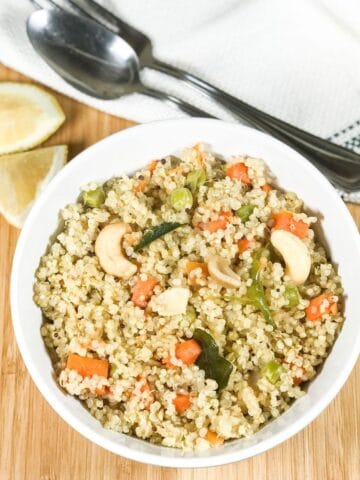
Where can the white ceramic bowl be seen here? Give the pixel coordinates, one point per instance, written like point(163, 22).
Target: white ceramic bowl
point(125, 152)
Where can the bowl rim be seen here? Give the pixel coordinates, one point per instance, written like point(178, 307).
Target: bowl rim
point(123, 450)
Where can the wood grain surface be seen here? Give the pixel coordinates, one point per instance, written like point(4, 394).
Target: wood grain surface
point(35, 444)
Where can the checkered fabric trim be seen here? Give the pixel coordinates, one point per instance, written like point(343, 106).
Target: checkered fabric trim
point(349, 137)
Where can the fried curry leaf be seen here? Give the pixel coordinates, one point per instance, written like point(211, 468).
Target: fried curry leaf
point(255, 293)
point(156, 232)
point(210, 360)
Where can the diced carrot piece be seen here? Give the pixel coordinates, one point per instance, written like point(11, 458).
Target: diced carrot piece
point(333, 309)
point(285, 221)
point(191, 266)
point(86, 366)
point(213, 226)
point(244, 244)
point(213, 438)
point(297, 380)
point(293, 366)
point(238, 171)
point(227, 214)
point(144, 388)
point(152, 166)
point(182, 402)
point(266, 188)
point(141, 186)
point(314, 311)
point(187, 351)
point(101, 391)
point(143, 291)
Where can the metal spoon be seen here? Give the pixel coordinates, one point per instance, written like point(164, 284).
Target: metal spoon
point(95, 61)
point(101, 64)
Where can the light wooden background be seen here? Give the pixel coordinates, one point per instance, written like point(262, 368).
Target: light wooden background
point(35, 444)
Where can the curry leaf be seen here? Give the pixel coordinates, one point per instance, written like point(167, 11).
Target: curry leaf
point(210, 360)
point(156, 232)
point(255, 293)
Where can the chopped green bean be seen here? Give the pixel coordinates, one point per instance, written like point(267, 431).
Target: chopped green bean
point(195, 179)
point(93, 198)
point(181, 198)
point(244, 212)
point(292, 295)
point(272, 371)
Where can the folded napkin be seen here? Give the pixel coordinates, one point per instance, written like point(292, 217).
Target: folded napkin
point(296, 60)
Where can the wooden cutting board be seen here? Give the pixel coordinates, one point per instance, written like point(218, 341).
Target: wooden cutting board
point(35, 444)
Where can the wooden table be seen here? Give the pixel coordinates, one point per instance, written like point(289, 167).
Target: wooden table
point(35, 444)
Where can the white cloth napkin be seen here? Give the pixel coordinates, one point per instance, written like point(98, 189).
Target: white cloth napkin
point(296, 60)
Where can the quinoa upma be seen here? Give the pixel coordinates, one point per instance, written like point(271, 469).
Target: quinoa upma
point(190, 303)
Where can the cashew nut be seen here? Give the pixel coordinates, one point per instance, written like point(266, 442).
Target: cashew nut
point(109, 252)
point(221, 272)
point(295, 254)
point(172, 301)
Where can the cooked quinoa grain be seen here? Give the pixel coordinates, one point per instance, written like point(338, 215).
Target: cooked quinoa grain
point(199, 334)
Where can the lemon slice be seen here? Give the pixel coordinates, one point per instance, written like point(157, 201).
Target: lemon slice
point(23, 176)
point(28, 116)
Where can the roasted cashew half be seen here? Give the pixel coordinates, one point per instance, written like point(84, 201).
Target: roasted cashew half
point(220, 271)
point(295, 254)
point(109, 252)
point(172, 301)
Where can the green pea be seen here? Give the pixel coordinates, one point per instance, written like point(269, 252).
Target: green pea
point(244, 212)
point(181, 198)
point(93, 198)
point(195, 178)
point(292, 295)
point(272, 371)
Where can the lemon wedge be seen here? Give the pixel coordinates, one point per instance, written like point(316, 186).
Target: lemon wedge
point(23, 176)
point(28, 116)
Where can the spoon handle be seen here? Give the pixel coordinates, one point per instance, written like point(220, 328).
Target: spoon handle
point(172, 100)
point(242, 108)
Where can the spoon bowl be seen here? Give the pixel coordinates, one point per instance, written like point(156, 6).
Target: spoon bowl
point(93, 60)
